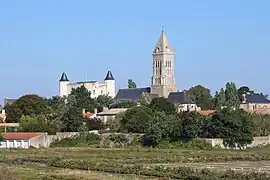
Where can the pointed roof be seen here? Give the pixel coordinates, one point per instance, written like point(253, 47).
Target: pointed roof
point(64, 77)
point(163, 43)
point(109, 76)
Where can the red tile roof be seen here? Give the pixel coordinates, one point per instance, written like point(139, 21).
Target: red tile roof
point(207, 112)
point(21, 135)
point(88, 115)
point(9, 124)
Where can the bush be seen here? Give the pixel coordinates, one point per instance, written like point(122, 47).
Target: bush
point(95, 124)
point(120, 140)
point(262, 123)
point(6, 174)
point(190, 144)
point(83, 139)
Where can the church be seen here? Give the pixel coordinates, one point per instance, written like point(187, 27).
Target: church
point(162, 83)
point(163, 79)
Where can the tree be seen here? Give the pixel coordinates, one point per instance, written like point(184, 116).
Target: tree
point(31, 104)
point(83, 98)
point(191, 124)
point(220, 99)
point(145, 99)
point(161, 104)
point(201, 96)
point(131, 84)
point(235, 127)
point(136, 119)
point(72, 120)
point(33, 124)
point(159, 128)
point(231, 94)
point(104, 101)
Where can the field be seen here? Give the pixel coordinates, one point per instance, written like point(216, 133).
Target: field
point(134, 163)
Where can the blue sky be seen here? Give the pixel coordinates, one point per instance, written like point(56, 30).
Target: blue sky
point(214, 41)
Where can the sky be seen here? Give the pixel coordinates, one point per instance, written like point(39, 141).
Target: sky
point(214, 42)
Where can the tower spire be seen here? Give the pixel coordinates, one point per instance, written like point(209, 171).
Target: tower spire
point(163, 43)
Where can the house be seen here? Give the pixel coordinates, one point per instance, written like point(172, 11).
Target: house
point(182, 101)
point(109, 114)
point(22, 139)
point(255, 103)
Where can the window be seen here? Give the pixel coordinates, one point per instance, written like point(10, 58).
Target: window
point(94, 92)
point(101, 92)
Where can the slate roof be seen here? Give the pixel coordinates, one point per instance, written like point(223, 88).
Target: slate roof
point(64, 77)
point(9, 101)
point(131, 94)
point(179, 98)
point(257, 98)
point(109, 76)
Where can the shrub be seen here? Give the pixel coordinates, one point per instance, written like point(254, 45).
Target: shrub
point(6, 174)
point(95, 124)
point(190, 144)
point(83, 139)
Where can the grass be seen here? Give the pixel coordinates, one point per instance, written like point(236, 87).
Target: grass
point(124, 156)
point(20, 172)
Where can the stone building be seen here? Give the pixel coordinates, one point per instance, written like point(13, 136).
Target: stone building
point(106, 87)
point(183, 102)
point(255, 103)
point(163, 80)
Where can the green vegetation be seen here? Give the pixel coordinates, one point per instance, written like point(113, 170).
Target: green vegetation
point(133, 162)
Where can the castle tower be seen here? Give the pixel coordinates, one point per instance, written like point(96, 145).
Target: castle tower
point(110, 84)
point(163, 80)
point(63, 85)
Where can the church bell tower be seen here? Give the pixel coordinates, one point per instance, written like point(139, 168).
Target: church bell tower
point(163, 80)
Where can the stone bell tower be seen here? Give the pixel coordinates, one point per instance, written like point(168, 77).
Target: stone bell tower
point(163, 80)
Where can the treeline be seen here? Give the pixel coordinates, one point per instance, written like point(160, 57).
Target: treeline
point(160, 122)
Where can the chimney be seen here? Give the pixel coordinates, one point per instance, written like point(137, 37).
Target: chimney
point(105, 109)
point(83, 111)
point(244, 98)
point(3, 111)
point(95, 111)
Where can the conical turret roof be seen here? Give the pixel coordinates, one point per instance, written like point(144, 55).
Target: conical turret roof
point(63, 77)
point(109, 76)
point(163, 43)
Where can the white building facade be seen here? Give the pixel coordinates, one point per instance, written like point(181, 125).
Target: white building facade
point(106, 87)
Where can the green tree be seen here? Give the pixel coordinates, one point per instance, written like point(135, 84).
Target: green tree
point(104, 101)
point(31, 104)
point(33, 124)
point(220, 99)
point(131, 84)
point(95, 124)
point(161, 104)
point(262, 122)
point(232, 100)
point(234, 126)
point(145, 99)
point(191, 124)
point(159, 128)
point(72, 120)
point(201, 96)
point(83, 98)
point(136, 119)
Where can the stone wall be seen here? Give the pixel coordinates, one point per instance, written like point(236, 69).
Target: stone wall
point(257, 142)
